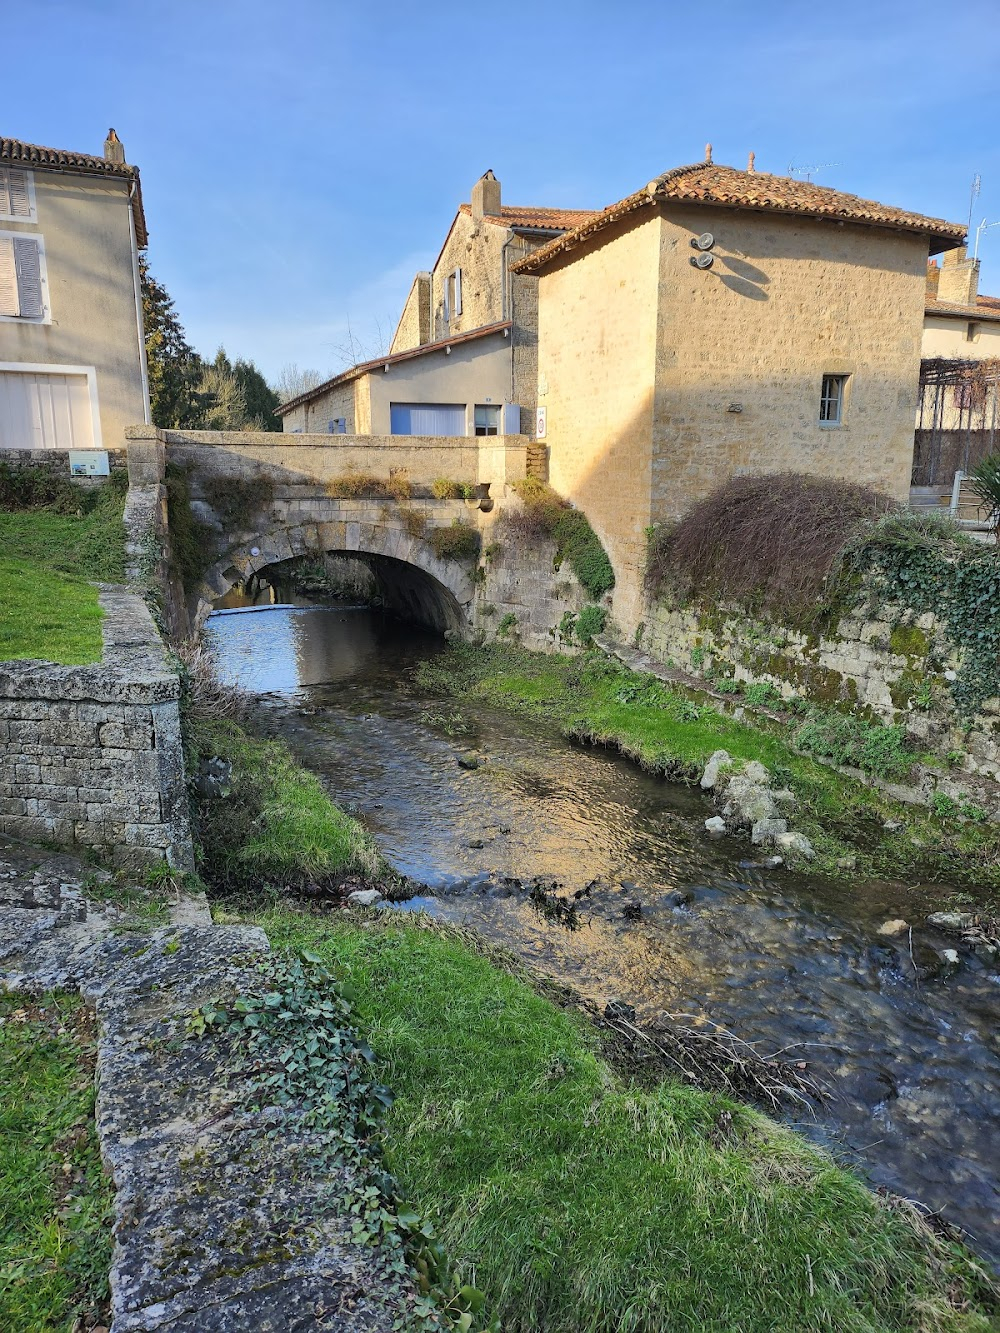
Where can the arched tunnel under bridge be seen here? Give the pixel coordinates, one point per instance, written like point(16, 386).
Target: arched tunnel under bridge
point(403, 589)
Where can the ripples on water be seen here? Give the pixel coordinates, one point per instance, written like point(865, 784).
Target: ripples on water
point(779, 959)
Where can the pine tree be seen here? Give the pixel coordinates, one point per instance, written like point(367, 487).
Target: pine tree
point(174, 365)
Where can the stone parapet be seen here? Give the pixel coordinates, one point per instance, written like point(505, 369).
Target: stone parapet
point(91, 756)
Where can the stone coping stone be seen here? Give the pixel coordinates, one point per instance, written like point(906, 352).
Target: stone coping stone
point(134, 666)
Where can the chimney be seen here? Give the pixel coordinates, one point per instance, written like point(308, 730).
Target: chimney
point(933, 278)
point(959, 280)
point(114, 149)
point(486, 197)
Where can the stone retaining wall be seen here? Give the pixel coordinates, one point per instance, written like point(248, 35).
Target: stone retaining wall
point(91, 756)
point(896, 668)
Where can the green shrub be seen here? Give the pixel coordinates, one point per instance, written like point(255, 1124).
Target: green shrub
point(579, 545)
point(546, 515)
point(848, 740)
point(985, 483)
point(24, 488)
point(761, 693)
point(445, 489)
point(364, 485)
point(589, 622)
point(192, 543)
point(508, 624)
point(238, 501)
point(414, 521)
point(459, 542)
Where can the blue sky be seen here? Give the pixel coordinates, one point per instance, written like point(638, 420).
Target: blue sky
point(300, 161)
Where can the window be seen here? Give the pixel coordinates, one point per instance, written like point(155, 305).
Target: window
point(831, 400)
point(427, 418)
point(453, 294)
point(972, 333)
point(23, 286)
point(17, 195)
point(488, 419)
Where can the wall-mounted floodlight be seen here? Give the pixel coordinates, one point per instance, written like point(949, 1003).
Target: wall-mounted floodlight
point(703, 242)
point(703, 260)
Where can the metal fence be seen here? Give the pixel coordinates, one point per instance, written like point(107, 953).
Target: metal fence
point(958, 422)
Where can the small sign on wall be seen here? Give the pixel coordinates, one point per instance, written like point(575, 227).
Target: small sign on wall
point(541, 422)
point(89, 463)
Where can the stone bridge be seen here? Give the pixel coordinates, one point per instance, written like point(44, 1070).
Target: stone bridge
point(259, 499)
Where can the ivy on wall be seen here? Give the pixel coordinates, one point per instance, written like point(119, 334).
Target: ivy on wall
point(926, 567)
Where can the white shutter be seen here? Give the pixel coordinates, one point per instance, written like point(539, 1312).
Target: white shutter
point(458, 291)
point(29, 277)
point(19, 193)
point(9, 304)
point(6, 206)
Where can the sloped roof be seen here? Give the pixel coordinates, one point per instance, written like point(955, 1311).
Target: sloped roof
point(363, 367)
point(15, 153)
point(537, 219)
point(725, 187)
point(986, 307)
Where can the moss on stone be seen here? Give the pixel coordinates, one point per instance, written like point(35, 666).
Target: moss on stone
point(909, 641)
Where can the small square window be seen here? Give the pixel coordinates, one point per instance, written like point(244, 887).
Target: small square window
point(831, 400)
point(488, 419)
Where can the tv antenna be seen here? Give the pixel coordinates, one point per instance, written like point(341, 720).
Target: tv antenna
point(983, 226)
point(977, 182)
point(807, 173)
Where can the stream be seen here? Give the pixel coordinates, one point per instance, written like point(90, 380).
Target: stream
point(783, 960)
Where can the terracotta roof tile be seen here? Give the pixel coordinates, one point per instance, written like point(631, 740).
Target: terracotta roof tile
point(538, 219)
point(725, 187)
point(13, 152)
point(986, 307)
point(363, 367)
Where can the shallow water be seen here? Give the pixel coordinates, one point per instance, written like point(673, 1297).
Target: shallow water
point(782, 960)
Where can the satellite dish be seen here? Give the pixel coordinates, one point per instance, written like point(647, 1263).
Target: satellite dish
point(703, 260)
point(703, 242)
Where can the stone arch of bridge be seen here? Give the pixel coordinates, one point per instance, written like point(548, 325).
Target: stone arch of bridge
point(413, 581)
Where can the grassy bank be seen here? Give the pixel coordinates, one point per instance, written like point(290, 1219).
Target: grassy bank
point(49, 553)
point(580, 1203)
point(665, 730)
point(268, 822)
point(576, 1200)
point(55, 1203)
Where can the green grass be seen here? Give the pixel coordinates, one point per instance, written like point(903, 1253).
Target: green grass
point(581, 1204)
point(50, 610)
point(49, 616)
point(55, 1236)
point(672, 731)
point(275, 825)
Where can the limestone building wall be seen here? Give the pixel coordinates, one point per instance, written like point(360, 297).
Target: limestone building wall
point(786, 302)
point(91, 756)
point(414, 327)
point(597, 348)
point(661, 380)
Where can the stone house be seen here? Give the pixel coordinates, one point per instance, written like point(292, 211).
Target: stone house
point(721, 321)
point(463, 359)
point(72, 354)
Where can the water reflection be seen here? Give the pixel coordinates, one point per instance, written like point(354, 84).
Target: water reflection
point(780, 959)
